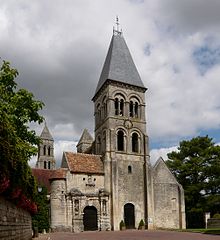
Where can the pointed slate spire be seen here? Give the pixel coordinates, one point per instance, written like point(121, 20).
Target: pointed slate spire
point(119, 65)
point(85, 138)
point(85, 143)
point(46, 133)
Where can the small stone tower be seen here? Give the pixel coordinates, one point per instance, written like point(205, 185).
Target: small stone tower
point(120, 135)
point(46, 158)
point(85, 143)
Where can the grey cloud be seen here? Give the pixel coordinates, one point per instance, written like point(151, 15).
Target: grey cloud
point(190, 15)
point(59, 50)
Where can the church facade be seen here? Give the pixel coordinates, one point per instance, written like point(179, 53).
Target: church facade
point(110, 179)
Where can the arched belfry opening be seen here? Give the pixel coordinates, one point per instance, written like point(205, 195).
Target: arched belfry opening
point(49, 151)
point(90, 219)
point(120, 140)
point(45, 150)
point(45, 158)
point(129, 215)
point(134, 140)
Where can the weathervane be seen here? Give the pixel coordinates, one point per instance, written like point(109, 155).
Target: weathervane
point(117, 31)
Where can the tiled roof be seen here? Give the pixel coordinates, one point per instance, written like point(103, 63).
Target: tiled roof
point(59, 174)
point(119, 65)
point(84, 163)
point(43, 176)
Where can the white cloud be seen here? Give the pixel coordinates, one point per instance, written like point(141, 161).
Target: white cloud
point(63, 146)
point(59, 147)
point(59, 50)
point(155, 154)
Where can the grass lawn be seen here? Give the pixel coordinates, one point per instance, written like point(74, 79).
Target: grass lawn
point(206, 231)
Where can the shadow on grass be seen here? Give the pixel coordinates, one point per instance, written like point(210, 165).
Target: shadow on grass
point(215, 231)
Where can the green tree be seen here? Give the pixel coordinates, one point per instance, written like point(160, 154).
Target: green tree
point(41, 219)
point(18, 109)
point(196, 166)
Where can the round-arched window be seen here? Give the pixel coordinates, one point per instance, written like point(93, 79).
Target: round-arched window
point(134, 140)
point(120, 140)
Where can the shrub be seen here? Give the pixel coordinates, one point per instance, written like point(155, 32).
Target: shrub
point(141, 224)
point(216, 216)
point(122, 225)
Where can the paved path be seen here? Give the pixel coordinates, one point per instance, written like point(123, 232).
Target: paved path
point(129, 235)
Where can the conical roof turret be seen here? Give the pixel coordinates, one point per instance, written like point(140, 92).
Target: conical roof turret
point(86, 137)
point(119, 65)
point(46, 133)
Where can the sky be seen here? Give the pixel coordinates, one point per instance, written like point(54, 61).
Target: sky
point(59, 48)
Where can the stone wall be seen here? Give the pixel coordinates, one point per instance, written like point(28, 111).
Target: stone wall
point(213, 223)
point(169, 205)
point(15, 223)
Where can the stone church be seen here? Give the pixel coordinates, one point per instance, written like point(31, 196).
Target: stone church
point(110, 179)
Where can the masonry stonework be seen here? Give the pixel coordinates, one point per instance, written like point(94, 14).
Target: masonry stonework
point(110, 179)
point(15, 223)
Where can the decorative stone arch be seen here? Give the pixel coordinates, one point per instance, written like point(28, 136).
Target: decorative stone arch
point(137, 96)
point(129, 215)
point(121, 139)
point(104, 107)
point(49, 165)
point(119, 104)
point(135, 140)
point(98, 112)
point(45, 150)
point(49, 150)
point(134, 106)
point(104, 137)
point(91, 201)
point(120, 92)
point(98, 144)
point(90, 218)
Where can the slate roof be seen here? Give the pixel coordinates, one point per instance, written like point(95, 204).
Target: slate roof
point(43, 176)
point(84, 163)
point(119, 65)
point(86, 137)
point(46, 133)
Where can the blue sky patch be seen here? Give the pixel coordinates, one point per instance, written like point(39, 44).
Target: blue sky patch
point(206, 58)
point(147, 49)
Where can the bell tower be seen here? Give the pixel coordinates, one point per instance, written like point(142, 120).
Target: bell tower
point(46, 158)
point(120, 134)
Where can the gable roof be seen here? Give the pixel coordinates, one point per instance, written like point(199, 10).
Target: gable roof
point(119, 65)
point(59, 173)
point(162, 173)
point(46, 133)
point(86, 137)
point(84, 163)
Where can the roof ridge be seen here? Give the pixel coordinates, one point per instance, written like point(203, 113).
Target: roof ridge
point(87, 154)
point(43, 169)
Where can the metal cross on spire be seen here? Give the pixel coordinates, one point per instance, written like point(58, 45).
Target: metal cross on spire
point(117, 31)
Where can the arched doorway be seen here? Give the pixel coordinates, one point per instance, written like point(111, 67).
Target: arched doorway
point(129, 216)
point(90, 218)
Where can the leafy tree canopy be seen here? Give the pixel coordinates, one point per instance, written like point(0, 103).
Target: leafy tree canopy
point(41, 219)
point(196, 166)
point(17, 109)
